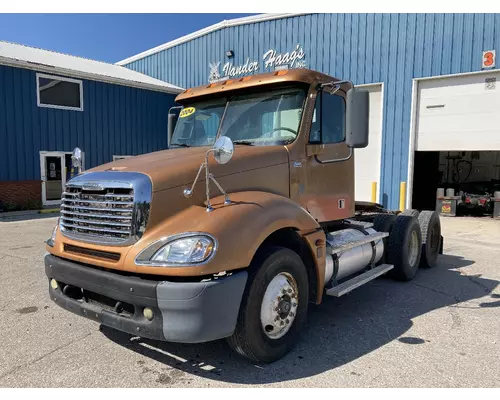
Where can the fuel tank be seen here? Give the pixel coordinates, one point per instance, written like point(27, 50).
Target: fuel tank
point(353, 260)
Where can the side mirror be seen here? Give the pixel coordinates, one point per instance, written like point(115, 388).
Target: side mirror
point(76, 158)
point(223, 150)
point(172, 121)
point(357, 116)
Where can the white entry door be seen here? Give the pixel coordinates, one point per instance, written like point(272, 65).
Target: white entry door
point(55, 168)
point(367, 161)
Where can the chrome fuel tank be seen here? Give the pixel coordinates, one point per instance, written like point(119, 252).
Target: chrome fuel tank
point(355, 259)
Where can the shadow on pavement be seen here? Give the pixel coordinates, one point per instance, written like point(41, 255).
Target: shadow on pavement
point(339, 331)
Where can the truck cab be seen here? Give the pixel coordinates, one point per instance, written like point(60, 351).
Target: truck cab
point(244, 221)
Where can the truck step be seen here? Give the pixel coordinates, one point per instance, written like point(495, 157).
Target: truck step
point(359, 280)
point(362, 224)
point(337, 246)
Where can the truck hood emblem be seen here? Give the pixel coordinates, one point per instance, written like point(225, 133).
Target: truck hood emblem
point(92, 186)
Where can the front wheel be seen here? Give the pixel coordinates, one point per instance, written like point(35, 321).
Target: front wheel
point(274, 306)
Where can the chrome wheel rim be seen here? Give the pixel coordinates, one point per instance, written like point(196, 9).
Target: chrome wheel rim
point(279, 305)
point(413, 249)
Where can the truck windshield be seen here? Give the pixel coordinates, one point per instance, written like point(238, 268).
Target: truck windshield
point(262, 119)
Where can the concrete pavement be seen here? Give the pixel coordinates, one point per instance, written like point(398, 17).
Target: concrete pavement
point(442, 329)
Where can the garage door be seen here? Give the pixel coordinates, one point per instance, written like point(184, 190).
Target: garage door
point(459, 113)
point(367, 160)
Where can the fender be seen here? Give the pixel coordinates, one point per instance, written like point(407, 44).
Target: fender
point(239, 228)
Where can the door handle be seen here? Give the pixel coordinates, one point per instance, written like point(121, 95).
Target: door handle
point(336, 159)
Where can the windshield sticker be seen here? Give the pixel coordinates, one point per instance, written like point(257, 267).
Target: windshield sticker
point(187, 112)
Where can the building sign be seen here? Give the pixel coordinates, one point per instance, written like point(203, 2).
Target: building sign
point(271, 59)
point(489, 59)
point(490, 83)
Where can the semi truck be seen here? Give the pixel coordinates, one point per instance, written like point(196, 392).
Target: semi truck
point(246, 220)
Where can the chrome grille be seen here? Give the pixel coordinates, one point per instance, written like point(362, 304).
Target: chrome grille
point(105, 213)
point(106, 207)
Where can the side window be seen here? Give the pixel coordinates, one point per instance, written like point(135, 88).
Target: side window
point(328, 123)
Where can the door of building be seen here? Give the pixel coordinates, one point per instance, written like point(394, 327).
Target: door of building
point(55, 168)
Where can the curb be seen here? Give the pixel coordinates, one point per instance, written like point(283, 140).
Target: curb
point(49, 210)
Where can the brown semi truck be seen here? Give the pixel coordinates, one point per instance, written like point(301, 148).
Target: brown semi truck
point(244, 221)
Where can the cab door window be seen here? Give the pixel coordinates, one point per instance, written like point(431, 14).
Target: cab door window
point(328, 124)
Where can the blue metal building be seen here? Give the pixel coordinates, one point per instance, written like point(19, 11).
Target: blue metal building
point(395, 52)
point(51, 103)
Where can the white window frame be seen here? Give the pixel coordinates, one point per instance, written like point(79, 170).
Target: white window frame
point(117, 157)
point(60, 78)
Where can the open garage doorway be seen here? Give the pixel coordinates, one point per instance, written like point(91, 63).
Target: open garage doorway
point(455, 143)
point(473, 175)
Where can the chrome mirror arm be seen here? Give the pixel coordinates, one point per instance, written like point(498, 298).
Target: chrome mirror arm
point(223, 149)
point(207, 181)
point(227, 200)
point(189, 192)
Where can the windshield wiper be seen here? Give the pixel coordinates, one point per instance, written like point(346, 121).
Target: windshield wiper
point(180, 144)
point(243, 142)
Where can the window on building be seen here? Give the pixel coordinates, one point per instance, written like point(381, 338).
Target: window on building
point(328, 125)
point(58, 92)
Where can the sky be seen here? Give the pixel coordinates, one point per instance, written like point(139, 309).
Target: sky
point(103, 37)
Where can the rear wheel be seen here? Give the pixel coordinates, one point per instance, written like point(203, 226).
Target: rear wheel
point(410, 212)
point(404, 250)
point(431, 238)
point(274, 306)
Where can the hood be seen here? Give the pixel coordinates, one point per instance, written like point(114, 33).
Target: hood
point(178, 166)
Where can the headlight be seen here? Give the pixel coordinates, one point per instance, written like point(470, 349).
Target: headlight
point(188, 249)
point(52, 239)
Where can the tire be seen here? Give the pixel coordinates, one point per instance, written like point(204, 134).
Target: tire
point(431, 238)
point(384, 223)
point(410, 212)
point(405, 233)
point(250, 338)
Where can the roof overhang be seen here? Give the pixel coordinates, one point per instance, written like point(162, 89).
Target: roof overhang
point(223, 24)
point(11, 62)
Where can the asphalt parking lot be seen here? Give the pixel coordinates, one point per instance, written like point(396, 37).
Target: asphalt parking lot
point(440, 330)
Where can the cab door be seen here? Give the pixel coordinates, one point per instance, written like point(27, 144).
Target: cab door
point(329, 180)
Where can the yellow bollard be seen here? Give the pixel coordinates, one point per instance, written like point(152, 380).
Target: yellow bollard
point(402, 196)
point(374, 192)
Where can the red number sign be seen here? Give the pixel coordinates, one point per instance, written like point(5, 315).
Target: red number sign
point(488, 59)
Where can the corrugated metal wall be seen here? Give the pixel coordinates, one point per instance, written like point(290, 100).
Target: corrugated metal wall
point(116, 120)
point(366, 48)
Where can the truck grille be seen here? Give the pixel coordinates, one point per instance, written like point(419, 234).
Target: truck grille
point(105, 215)
point(106, 207)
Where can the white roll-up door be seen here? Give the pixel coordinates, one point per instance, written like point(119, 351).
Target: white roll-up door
point(367, 161)
point(459, 113)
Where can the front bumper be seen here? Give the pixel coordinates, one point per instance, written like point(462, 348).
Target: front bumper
point(186, 312)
